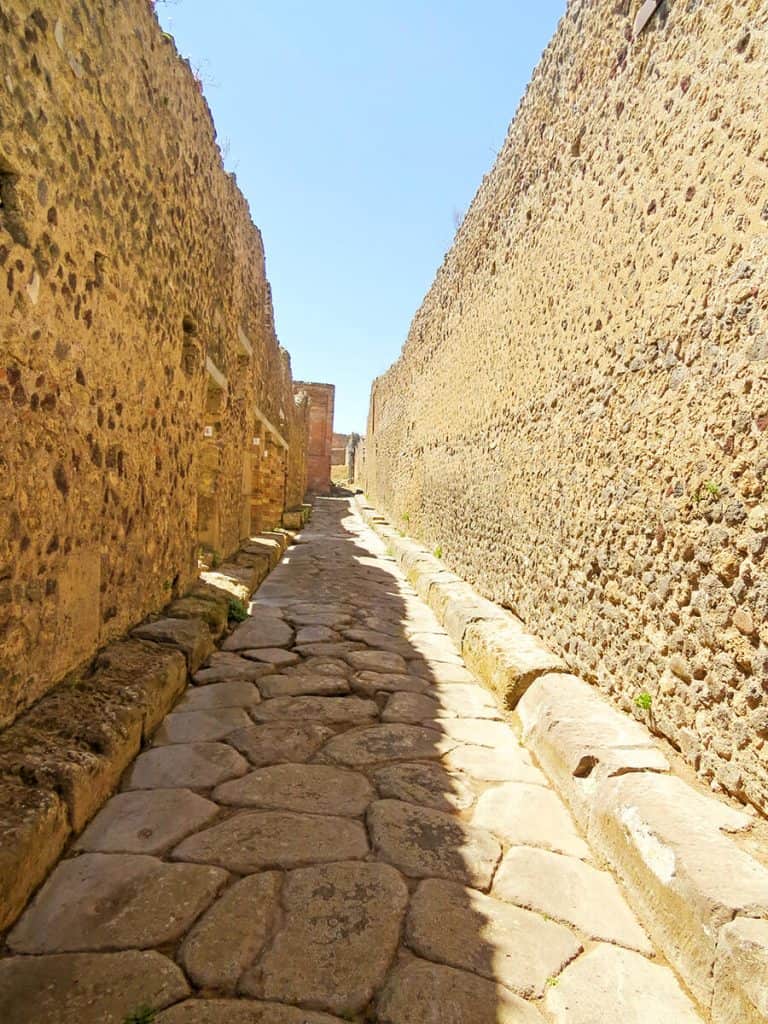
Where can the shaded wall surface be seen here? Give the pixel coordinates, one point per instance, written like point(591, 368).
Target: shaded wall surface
point(320, 400)
point(579, 417)
point(140, 376)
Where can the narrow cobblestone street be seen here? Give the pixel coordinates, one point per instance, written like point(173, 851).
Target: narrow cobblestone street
point(335, 824)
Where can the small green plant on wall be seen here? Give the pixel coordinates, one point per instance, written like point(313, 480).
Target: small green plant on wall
point(438, 552)
point(644, 701)
point(238, 611)
point(144, 1015)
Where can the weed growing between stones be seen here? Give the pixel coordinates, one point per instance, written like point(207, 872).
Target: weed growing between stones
point(144, 1015)
point(644, 701)
point(238, 611)
point(438, 552)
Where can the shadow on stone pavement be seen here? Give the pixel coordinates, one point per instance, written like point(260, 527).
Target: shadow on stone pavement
point(336, 823)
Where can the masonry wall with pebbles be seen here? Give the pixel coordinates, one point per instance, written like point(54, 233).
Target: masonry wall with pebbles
point(145, 404)
point(579, 417)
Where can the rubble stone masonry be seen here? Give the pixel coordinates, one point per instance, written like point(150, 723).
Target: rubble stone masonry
point(146, 407)
point(579, 417)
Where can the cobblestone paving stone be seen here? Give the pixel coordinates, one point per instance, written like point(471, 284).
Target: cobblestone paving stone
point(335, 823)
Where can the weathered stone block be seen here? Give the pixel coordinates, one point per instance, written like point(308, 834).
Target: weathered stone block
point(506, 659)
point(741, 973)
point(191, 636)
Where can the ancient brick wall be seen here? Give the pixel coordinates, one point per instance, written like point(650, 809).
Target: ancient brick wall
point(139, 368)
point(579, 418)
point(320, 398)
point(339, 449)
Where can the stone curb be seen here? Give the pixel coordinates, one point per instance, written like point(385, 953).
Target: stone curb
point(677, 851)
point(63, 758)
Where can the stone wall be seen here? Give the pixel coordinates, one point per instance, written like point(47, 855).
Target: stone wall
point(339, 449)
point(320, 398)
point(140, 376)
point(579, 417)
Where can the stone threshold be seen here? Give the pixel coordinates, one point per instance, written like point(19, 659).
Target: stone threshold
point(695, 868)
point(62, 759)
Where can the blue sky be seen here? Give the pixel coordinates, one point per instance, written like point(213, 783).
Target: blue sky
point(358, 133)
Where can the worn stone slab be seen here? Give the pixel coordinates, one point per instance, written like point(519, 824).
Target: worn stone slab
point(146, 821)
point(226, 667)
point(211, 610)
point(191, 636)
point(323, 710)
point(232, 933)
point(521, 814)
point(259, 840)
point(377, 661)
point(666, 843)
point(75, 988)
point(569, 890)
point(580, 739)
point(324, 666)
point(274, 657)
point(466, 699)
point(418, 992)
point(613, 984)
point(33, 830)
point(241, 1011)
point(425, 784)
point(238, 693)
point(200, 726)
point(371, 683)
point(191, 765)
point(309, 684)
point(259, 630)
point(381, 743)
point(341, 930)
point(480, 732)
point(486, 764)
point(335, 649)
point(414, 708)
point(145, 675)
point(380, 641)
point(425, 843)
point(280, 742)
point(316, 635)
point(463, 928)
point(441, 672)
point(741, 973)
point(101, 901)
point(315, 789)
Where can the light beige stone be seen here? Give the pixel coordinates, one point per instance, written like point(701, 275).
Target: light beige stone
point(666, 843)
point(506, 658)
point(322, 710)
point(376, 661)
point(569, 890)
point(441, 672)
point(463, 928)
point(613, 984)
point(580, 739)
point(200, 726)
point(146, 821)
point(241, 1011)
point(341, 930)
point(521, 814)
point(232, 933)
point(279, 742)
point(425, 843)
point(425, 784)
point(114, 901)
point(238, 693)
point(741, 973)
point(418, 992)
point(486, 764)
point(74, 988)
point(303, 685)
point(314, 789)
point(468, 700)
point(381, 743)
point(193, 765)
point(259, 630)
point(257, 841)
point(480, 732)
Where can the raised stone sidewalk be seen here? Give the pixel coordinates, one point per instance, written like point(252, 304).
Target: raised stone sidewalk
point(336, 823)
